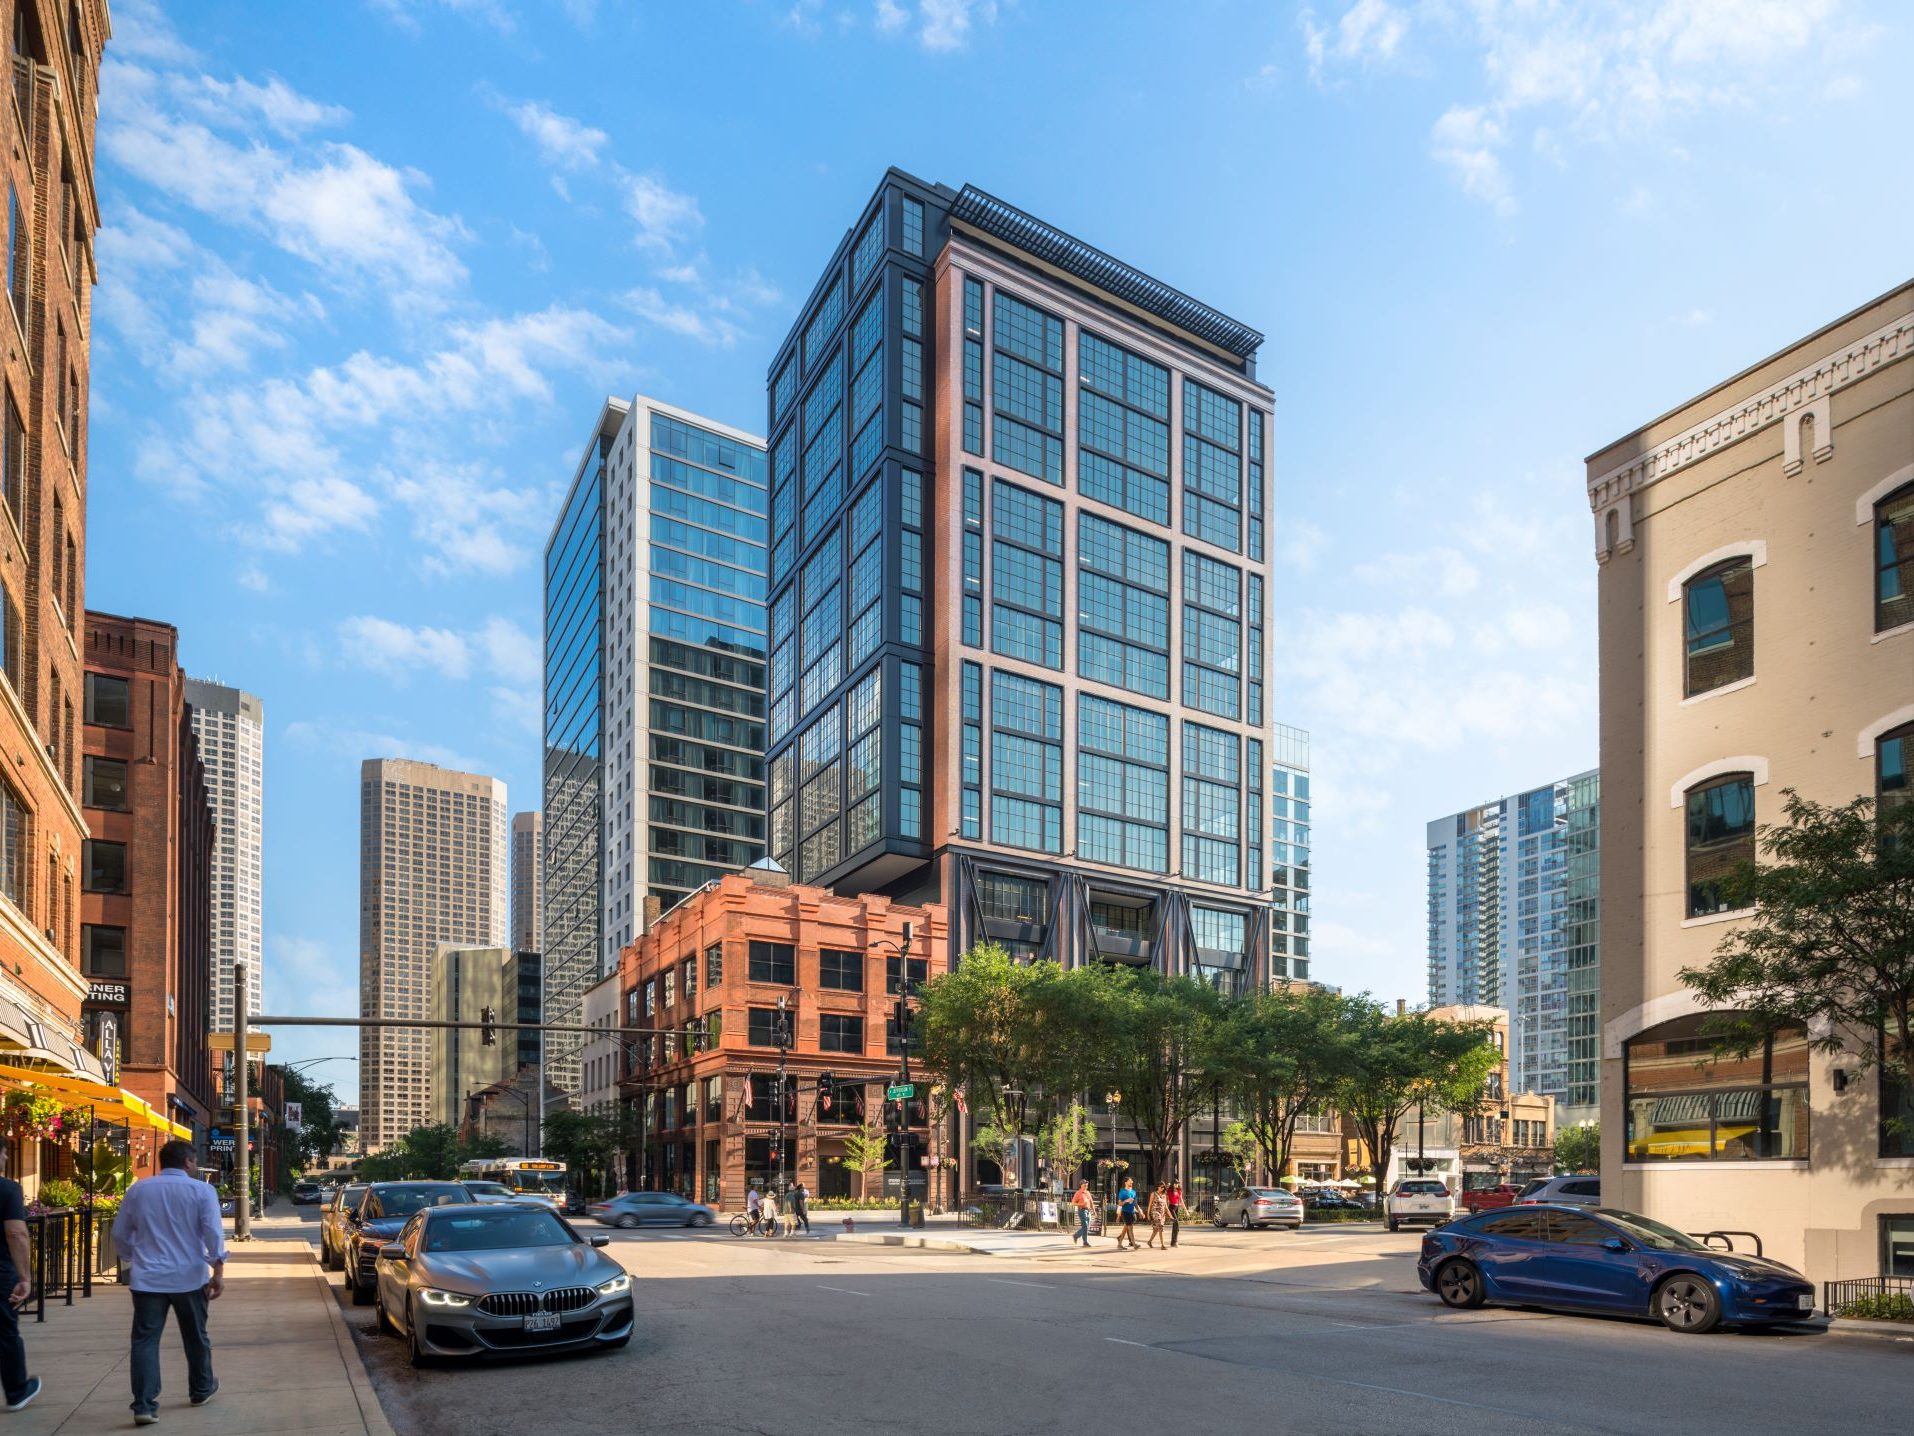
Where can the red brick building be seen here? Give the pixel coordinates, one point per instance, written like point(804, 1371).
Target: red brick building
point(146, 899)
point(710, 1122)
point(51, 216)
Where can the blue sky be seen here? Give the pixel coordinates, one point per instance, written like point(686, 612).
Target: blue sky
point(370, 267)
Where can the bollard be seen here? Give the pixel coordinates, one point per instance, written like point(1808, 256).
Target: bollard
point(850, 1224)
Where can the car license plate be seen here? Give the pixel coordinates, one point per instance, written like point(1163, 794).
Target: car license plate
point(542, 1321)
point(1806, 1303)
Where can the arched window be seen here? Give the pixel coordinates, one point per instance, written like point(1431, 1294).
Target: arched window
point(1894, 559)
point(1893, 751)
point(1718, 608)
point(1688, 1102)
point(1721, 837)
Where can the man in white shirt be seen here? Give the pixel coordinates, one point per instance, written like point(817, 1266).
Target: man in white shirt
point(753, 1205)
point(174, 1246)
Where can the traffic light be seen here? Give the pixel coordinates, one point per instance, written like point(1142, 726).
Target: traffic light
point(488, 1034)
point(826, 1091)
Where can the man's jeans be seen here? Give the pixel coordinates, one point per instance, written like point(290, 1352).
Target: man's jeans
point(1083, 1226)
point(13, 1351)
point(149, 1320)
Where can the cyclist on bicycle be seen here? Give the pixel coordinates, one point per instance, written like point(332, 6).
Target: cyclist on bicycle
point(753, 1210)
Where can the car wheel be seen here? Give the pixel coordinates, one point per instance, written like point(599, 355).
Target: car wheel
point(1245, 1221)
point(385, 1322)
point(1459, 1284)
point(702, 1219)
point(361, 1291)
point(415, 1337)
point(1688, 1303)
point(626, 1222)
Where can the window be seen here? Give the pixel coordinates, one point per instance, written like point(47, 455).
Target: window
point(1212, 466)
point(1897, 1246)
point(762, 1027)
point(1026, 575)
point(1892, 791)
point(102, 951)
point(108, 701)
point(17, 265)
point(1515, 1226)
point(1123, 785)
point(841, 970)
point(13, 461)
point(1894, 560)
point(1027, 389)
point(1721, 838)
point(919, 973)
point(1003, 897)
point(840, 1032)
point(105, 783)
point(1718, 606)
point(1026, 763)
point(1688, 1102)
point(774, 962)
point(1123, 408)
point(13, 847)
point(105, 866)
point(713, 965)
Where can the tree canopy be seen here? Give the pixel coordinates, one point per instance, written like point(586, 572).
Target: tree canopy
point(1402, 1060)
point(433, 1152)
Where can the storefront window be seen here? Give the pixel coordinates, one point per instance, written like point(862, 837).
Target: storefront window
point(1687, 1102)
point(1897, 1246)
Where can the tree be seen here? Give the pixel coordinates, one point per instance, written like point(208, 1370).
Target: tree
point(433, 1153)
point(1579, 1149)
point(318, 1132)
point(1239, 1144)
point(866, 1152)
point(980, 1027)
point(1067, 1141)
point(1401, 1061)
point(1830, 944)
point(1279, 1056)
point(586, 1142)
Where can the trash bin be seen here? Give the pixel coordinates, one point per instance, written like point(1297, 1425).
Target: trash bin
point(917, 1216)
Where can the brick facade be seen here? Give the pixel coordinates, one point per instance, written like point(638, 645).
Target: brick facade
point(146, 899)
point(704, 1134)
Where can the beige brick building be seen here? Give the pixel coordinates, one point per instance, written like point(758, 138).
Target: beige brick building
point(1757, 634)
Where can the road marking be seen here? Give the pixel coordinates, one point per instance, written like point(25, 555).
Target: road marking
point(845, 1289)
point(1005, 1281)
point(1121, 1342)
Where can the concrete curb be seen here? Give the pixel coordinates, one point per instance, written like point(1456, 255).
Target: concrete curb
point(1877, 1330)
point(936, 1244)
point(370, 1412)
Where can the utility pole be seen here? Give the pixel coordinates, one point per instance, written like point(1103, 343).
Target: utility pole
point(781, 1033)
point(903, 1078)
point(242, 1135)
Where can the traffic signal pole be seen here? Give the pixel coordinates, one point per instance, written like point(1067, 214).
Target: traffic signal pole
point(242, 1140)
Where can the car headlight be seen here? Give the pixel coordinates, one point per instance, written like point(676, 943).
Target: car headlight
point(433, 1297)
point(619, 1283)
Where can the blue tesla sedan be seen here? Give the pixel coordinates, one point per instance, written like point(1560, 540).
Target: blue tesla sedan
point(1598, 1260)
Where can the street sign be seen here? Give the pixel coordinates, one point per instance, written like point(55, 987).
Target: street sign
point(898, 1091)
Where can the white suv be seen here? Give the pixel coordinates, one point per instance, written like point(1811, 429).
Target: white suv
point(1418, 1199)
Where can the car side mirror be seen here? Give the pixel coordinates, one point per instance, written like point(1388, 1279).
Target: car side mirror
point(392, 1251)
point(601, 1241)
point(353, 1217)
point(1614, 1244)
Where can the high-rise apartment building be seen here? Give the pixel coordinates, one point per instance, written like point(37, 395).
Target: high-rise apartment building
point(1289, 809)
point(1019, 589)
point(654, 682)
point(231, 728)
point(466, 982)
point(53, 213)
point(1756, 591)
point(146, 891)
point(432, 870)
point(527, 860)
point(1513, 924)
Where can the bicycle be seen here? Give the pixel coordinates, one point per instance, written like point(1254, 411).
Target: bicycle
point(744, 1226)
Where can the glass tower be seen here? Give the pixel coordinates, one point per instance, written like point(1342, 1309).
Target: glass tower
point(1018, 585)
point(1289, 807)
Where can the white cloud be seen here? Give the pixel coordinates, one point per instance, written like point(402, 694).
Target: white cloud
point(890, 17)
point(1367, 32)
point(141, 31)
point(353, 744)
point(941, 26)
point(665, 217)
point(401, 651)
point(510, 652)
point(283, 108)
point(563, 142)
point(1299, 543)
point(1465, 140)
point(1441, 570)
point(712, 330)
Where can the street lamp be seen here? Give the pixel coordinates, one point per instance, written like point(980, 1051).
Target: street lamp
point(900, 1015)
point(781, 1035)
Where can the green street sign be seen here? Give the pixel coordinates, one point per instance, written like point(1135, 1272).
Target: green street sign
point(897, 1092)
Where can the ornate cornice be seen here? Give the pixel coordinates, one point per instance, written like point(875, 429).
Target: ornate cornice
point(1799, 392)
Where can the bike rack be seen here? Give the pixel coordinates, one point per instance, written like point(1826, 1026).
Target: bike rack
point(1727, 1239)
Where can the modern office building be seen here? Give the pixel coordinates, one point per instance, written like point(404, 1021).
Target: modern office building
point(432, 870)
point(231, 728)
point(146, 892)
point(1019, 587)
point(654, 682)
point(43, 484)
point(527, 863)
point(599, 1064)
point(467, 981)
point(1513, 925)
point(1756, 591)
point(1289, 809)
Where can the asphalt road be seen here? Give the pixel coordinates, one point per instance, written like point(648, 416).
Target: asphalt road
point(1262, 1332)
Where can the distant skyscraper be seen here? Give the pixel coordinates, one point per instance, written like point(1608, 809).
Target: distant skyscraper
point(1020, 561)
point(1513, 924)
point(654, 680)
point(465, 981)
point(432, 870)
point(527, 858)
point(1289, 805)
point(231, 728)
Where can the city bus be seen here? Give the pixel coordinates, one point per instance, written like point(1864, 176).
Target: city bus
point(526, 1176)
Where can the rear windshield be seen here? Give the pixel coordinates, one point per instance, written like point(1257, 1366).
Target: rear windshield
point(1421, 1189)
point(1263, 1194)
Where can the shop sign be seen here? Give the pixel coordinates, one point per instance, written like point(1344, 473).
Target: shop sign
point(109, 994)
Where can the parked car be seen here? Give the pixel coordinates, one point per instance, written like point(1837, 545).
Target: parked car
point(1418, 1200)
point(1569, 1191)
point(1259, 1207)
point(651, 1209)
point(1484, 1199)
point(470, 1280)
point(376, 1220)
point(1328, 1201)
point(305, 1194)
point(1597, 1259)
point(334, 1224)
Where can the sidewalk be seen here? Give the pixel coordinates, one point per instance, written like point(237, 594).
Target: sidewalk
point(281, 1350)
point(944, 1232)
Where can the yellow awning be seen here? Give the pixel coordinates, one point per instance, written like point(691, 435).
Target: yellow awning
point(104, 1100)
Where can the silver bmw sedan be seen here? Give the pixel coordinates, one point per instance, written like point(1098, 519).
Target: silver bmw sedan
point(498, 1279)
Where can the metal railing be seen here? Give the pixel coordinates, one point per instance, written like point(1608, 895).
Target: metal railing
point(62, 1245)
point(1838, 1294)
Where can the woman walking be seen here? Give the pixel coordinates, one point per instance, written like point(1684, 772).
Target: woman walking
point(1126, 1216)
point(1159, 1213)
